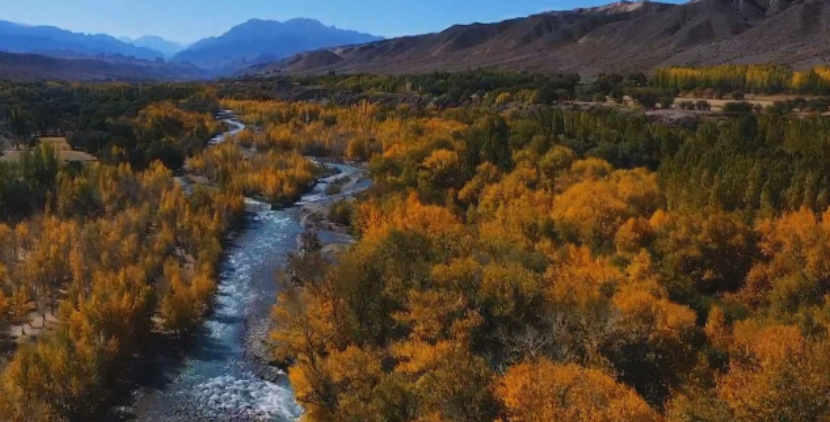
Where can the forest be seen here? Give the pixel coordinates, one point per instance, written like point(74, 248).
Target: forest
point(563, 265)
point(757, 79)
point(512, 263)
point(117, 251)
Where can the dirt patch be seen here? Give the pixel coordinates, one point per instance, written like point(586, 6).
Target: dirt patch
point(13, 156)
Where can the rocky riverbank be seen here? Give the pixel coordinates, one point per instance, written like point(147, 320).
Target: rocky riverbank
point(319, 232)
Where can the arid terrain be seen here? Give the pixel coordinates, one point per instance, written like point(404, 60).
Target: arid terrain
point(620, 37)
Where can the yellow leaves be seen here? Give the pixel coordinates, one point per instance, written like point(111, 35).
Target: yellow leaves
point(639, 189)
point(410, 214)
point(504, 98)
point(5, 307)
point(547, 391)
point(589, 169)
point(427, 313)
point(633, 235)
point(641, 275)
point(510, 288)
point(558, 160)
point(279, 177)
point(718, 333)
point(305, 323)
point(165, 118)
point(798, 239)
point(441, 161)
point(416, 357)
point(362, 149)
point(776, 374)
point(355, 132)
point(186, 299)
point(457, 275)
point(591, 209)
point(766, 78)
point(595, 209)
point(797, 248)
point(517, 186)
point(20, 306)
point(486, 174)
point(578, 279)
point(442, 167)
point(355, 368)
point(659, 319)
point(102, 264)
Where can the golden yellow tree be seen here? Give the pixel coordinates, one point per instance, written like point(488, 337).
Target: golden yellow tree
point(548, 391)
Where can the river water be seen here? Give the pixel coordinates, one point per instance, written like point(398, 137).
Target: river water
point(215, 380)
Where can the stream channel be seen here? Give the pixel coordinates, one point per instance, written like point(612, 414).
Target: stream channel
point(215, 380)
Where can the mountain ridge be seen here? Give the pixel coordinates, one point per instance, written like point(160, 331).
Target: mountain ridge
point(258, 39)
point(617, 37)
point(44, 39)
point(164, 46)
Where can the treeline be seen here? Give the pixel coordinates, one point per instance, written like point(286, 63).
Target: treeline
point(114, 122)
point(567, 265)
point(452, 86)
point(758, 164)
point(443, 89)
point(57, 108)
point(757, 79)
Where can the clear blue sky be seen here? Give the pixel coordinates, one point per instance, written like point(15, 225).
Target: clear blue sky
point(190, 20)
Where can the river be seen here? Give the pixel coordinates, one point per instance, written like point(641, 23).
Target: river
point(215, 380)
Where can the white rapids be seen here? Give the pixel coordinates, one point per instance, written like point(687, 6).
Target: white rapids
point(215, 381)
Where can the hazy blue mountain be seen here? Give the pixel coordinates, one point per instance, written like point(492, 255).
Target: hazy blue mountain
point(49, 40)
point(169, 48)
point(258, 40)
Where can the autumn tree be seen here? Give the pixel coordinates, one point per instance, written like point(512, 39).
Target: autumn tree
point(545, 390)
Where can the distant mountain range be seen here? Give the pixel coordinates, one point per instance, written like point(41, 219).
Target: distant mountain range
point(620, 37)
point(262, 40)
point(253, 42)
point(49, 40)
point(168, 48)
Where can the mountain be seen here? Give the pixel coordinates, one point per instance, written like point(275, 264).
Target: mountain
point(619, 37)
point(262, 40)
point(49, 40)
point(168, 48)
point(26, 67)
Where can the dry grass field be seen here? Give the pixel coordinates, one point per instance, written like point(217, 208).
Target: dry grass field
point(60, 145)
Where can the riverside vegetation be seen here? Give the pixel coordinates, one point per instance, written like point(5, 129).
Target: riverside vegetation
point(116, 249)
point(512, 263)
point(564, 265)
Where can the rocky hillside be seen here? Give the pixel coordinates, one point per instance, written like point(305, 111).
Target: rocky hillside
point(619, 37)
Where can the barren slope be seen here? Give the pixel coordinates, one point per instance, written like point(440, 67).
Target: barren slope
point(618, 37)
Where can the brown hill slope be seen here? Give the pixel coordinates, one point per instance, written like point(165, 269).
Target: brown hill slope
point(36, 67)
point(618, 37)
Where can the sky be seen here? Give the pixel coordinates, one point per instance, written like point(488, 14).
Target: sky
point(190, 20)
